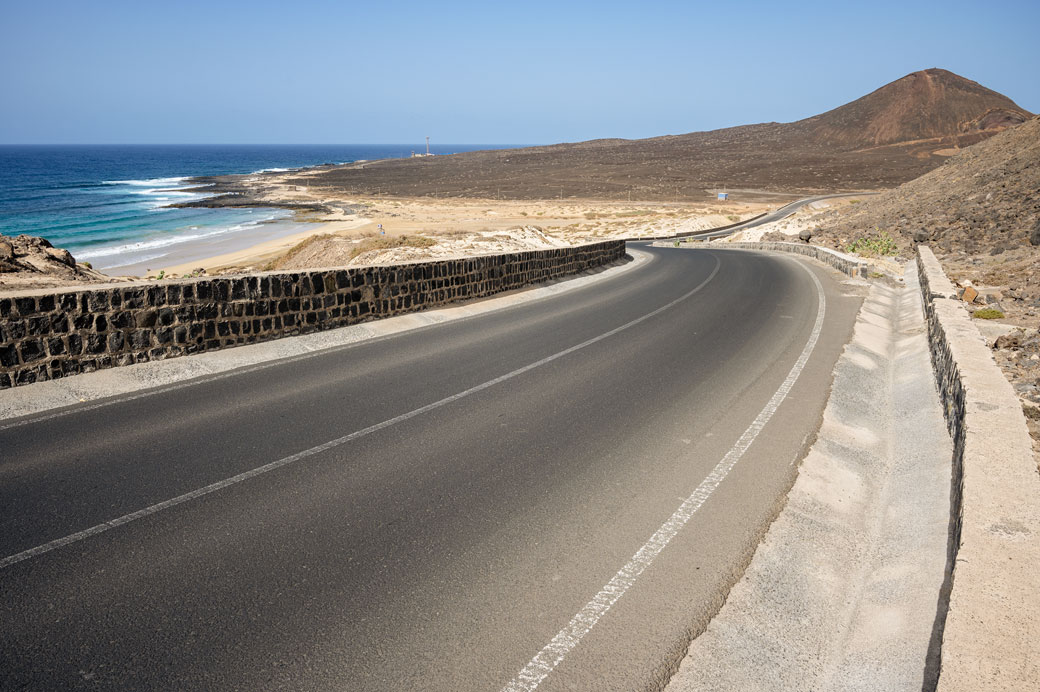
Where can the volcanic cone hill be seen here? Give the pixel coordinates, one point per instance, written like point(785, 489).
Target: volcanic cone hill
point(893, 135)
point(926, 108)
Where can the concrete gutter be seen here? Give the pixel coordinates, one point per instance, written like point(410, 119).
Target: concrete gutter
point(843, 592)
point(991, 639)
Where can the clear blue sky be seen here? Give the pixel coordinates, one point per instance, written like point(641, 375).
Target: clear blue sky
point(311, 71)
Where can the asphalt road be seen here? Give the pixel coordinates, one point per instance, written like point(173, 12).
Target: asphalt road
point(432, 547)
point(776, 215)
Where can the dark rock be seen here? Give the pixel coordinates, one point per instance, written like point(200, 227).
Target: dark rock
point(1012, 340)
point(805, 236)
point(8, 356)
point(1034, 236)
point(921, 236)
point(31, 350)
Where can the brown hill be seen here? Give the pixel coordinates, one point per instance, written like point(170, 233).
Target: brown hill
point(928, 105)
point(888, 137)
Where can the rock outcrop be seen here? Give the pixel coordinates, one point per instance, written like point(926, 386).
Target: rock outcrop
point(30, 262)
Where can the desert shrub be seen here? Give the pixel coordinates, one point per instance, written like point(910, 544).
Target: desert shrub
point(880, 245)
point(385, 242)
point(988, 314)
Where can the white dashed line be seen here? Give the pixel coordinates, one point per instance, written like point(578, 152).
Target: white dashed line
point(219, 485)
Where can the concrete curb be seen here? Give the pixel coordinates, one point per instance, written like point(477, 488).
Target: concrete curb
point(991, 638)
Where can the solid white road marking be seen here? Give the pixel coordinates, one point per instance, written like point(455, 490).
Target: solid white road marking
point(219, 485)
point(566, 639)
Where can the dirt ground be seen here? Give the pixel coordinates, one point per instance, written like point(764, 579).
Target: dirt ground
point(357, 230)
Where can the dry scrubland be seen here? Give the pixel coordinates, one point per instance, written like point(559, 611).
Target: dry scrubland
point(356, 231)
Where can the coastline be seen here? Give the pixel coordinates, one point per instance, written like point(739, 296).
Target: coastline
point(303, 205)
point(340, 228)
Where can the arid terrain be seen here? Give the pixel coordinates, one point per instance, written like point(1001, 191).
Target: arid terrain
point(885, 138)
point(494, 201)
point(980, 213)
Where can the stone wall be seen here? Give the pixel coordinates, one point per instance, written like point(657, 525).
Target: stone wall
point(842, 262)
point(991, 632)
point(50, 334)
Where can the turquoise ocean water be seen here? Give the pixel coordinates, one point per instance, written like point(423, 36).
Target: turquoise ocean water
point(108, 204)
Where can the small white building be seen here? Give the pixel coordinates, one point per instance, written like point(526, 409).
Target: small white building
point(723, 196)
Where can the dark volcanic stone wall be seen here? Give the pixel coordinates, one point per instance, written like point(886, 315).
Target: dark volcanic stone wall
point(49, 335)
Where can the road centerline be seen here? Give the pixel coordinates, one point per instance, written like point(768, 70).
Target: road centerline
point(246, 475)
point(546, 660)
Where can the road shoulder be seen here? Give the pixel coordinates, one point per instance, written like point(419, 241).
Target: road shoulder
point(843, 592)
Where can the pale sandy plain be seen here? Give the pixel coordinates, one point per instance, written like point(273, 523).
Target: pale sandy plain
point(451, 228)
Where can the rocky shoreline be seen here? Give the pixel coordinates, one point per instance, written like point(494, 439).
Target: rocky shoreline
point(241, 191)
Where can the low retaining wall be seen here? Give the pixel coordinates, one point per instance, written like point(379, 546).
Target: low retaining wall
point(843, 263)
point(50, 334)
point(991, 636)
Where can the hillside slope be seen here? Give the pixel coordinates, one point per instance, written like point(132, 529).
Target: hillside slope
point(984, 200)
point(980, 212)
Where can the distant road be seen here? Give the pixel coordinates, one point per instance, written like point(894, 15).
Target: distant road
point(780, 213)
point(426, 511)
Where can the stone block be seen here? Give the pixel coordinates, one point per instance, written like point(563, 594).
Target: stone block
point(140, 339)
point(26, 306)
point(55, 346)
point(146, 319)
point(98, 301)
point(95, 344)
point(8, 355)
point(31, 349)
point(133, 298)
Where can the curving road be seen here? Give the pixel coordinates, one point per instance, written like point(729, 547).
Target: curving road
point(772, 216)
point(431, 510)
